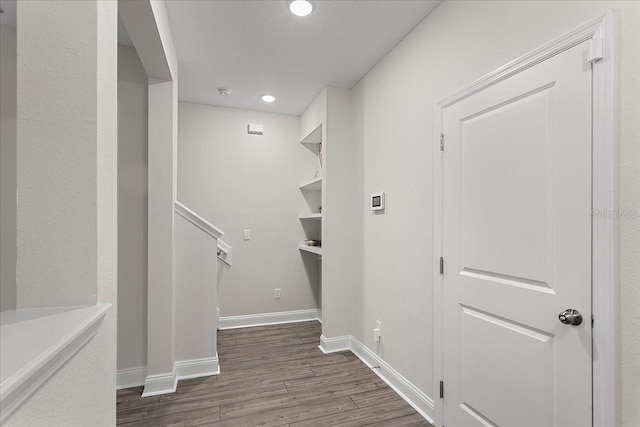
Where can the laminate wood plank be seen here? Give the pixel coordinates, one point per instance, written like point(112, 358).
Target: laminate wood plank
point(207, 416)
point(311, 360)
point(413, 420)
point(263, 347)
point(173, 412)
point(342, 366)
point(359, 417)
point(240, 378)
point(295, 399)
point(231, 394)
point(239, 331)
point(379, 382)
point(137, 403)
point(324, 380)
point(274, 353)
point(268, 353)
point(132, 398)
point(311, 340)
point(128, 393)
point(198, 381)
point(291, 414)
point(274, 376)
point(374, 397)
point(226, 340)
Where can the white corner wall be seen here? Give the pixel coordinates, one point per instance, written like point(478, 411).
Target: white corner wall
point(393, 104)
point(67, 190)
point(132, 210)
point(147, 24)
point(196, 299)
point(8, 156)
point(343, 208)
point(240, 181)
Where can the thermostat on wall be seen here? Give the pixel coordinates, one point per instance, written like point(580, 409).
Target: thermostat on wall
point(377, 201)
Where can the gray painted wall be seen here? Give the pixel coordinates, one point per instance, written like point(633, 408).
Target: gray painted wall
point(132, 210)
point(7, 167)
point(67, 181)
point(456, 44)
point(239, 181)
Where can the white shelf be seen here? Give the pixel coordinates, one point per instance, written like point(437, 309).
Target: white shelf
point(313, 249)
point(315, 184)
point(316, 216)
point(313, 138)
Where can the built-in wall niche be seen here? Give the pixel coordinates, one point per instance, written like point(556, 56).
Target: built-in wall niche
point(311, 214)
point(312, 193)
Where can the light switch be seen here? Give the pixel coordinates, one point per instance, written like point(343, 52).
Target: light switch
point(247, 234)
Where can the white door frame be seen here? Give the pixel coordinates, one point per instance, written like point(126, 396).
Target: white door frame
point(600, 32)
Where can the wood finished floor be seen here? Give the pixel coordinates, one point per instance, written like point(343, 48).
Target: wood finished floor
point(274, 376)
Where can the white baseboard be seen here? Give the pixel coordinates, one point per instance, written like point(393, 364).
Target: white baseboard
point(197, 368)
point(130, 377)
point(331, 345)
point(262, 319)
point(422, 403)
point(160, 384)
point(167, 383)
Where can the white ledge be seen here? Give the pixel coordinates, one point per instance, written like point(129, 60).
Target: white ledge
point(36, 342)
point(198, 221)
point(313, 249)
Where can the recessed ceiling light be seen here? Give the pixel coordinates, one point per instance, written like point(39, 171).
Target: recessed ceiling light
point(268, 98)
point(301, 7)
point(224, 92)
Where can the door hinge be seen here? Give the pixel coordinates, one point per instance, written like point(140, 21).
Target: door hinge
point(441, 265)
point(442, 142)
point(441, 389)
point(592, 320)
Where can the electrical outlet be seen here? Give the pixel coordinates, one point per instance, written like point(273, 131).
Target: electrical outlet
point(276, 294)
point(247, 234)
point(377, 331)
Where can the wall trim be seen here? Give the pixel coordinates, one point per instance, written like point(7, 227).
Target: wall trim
point(195, 368)
point(331, 345)
point(130, 377)
point(160, 384)
point(422, 403)
point(262, 319)
point(182, 370)
point(71, 327)
point(598, 30)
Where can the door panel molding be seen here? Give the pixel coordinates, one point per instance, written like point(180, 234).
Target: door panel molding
point(600, 32)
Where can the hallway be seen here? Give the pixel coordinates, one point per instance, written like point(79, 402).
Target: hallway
point(274, 376)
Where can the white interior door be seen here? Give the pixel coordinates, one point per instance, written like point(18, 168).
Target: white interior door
point(517, 249)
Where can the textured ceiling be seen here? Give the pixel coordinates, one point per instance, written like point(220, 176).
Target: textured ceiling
point(257, 47)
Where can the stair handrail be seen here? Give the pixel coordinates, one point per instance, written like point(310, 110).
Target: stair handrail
point(223, 249)
point(198, 221)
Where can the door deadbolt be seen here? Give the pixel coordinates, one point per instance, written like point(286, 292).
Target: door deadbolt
point(570, 317)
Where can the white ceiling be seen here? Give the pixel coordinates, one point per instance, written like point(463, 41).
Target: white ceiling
point(256, 47)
